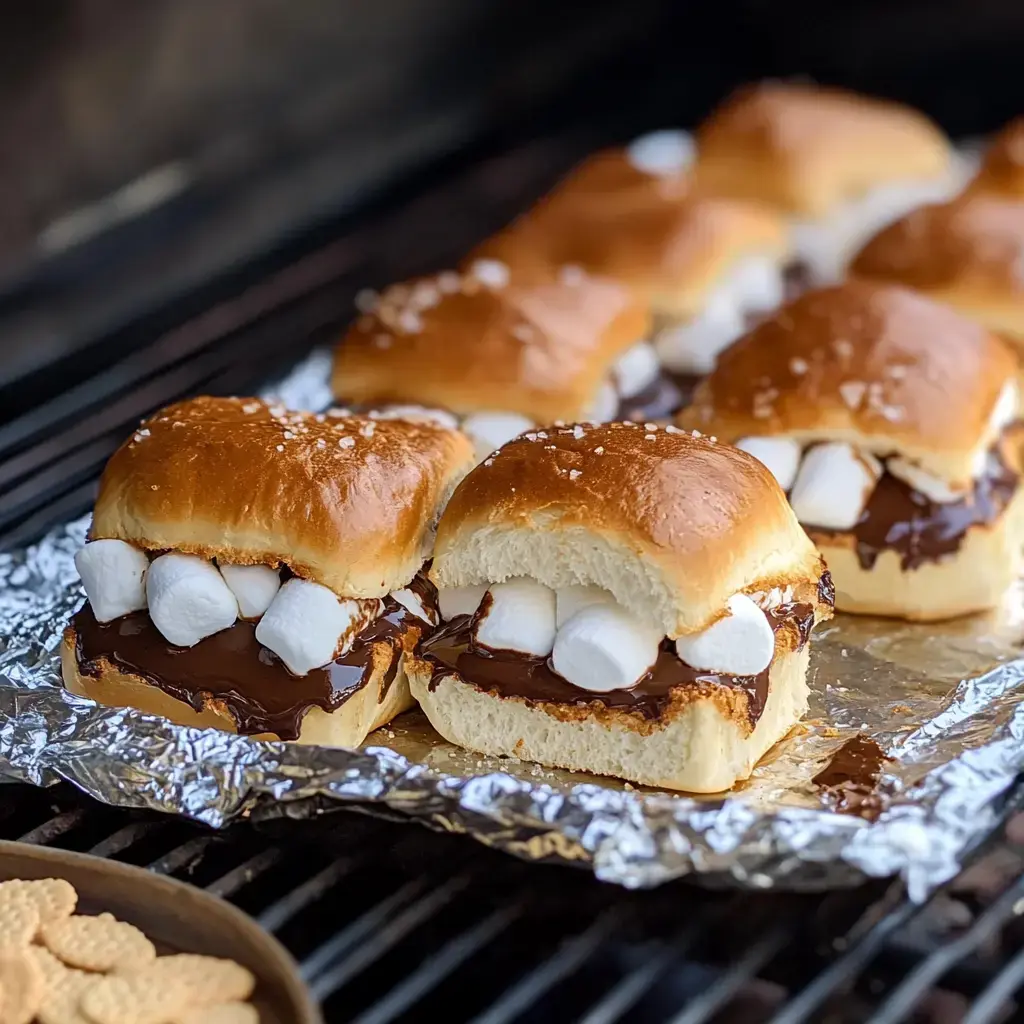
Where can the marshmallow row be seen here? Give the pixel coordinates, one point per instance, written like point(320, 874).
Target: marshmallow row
point(593, 642)
point(189, 598)
point(754, 285)
point(829, 484)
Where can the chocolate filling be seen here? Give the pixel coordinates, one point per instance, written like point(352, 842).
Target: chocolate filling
point(451, 649)
point(661, 398)
point(920, 530)
point(234, 668)
point(849, 783)
point(796, 279)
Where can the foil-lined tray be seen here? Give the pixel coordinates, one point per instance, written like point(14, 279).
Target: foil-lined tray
point(944, 703)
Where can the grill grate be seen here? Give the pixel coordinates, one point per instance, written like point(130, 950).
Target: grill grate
point(391, 925)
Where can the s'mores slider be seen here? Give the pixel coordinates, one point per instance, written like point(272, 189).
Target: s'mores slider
point(259, 571)
point(705, 268)
point(498, 355)
point(1002, 168)
point(622, 599)
point(839, 165)
point(889, 420)
point(968, 253)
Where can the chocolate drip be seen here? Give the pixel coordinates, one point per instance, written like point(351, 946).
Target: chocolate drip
point(451, 649)
point(658, 400)
point(920, 530)
point(850, 781)
point(233, 668)
point(685, 384)
point(827, 589)
point(796, 279)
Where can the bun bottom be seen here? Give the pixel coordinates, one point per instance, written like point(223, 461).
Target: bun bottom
point(972, 579)
point(698, 749)
point(348, 726)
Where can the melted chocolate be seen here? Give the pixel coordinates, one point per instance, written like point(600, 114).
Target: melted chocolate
point(234, 668)
point(827, 589)
point(850, 781)
point(451, 649)
point(901, 519)
point(796, 279)
point(658, 400)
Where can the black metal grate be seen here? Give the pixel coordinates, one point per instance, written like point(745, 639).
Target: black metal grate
point(390, 924)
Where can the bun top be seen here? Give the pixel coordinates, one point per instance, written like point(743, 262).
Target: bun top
point(806, 149)
point(671, 524)
point(670, 245)
point(1002, 170)
point(970, 246)
point(878, 366)
point(346, 501)
point(486, 340)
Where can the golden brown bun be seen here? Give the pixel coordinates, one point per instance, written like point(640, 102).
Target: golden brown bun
point(669, 246)
point(541, 348)
point(805, 149)
point(701, 743)
point(966, 252)
point(236, 479)
point(348, 726)
point(875, 365)
point(1002, 170)
point(670, 524)
point(975, 578)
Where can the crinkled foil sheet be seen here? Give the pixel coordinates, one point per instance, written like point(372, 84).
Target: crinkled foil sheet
point(944, 701)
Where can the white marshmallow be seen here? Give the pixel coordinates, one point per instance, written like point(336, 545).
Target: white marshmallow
point(114, 576)
point(662, 153)
point(188, 598)
point(605, 406)
point(409, 600)
point(693, 347)
point(833, 485)
point(779, 455)
point(741, 644)
point(521, 617)
point(604, 648)
point(757, 283)
point(635, 369)
point(573, 599)
point(417, 414)
point(490, 430)
point(307, 625)
point(254, 587)
point(1007, 407)
point(930, 486)
point(455, 601)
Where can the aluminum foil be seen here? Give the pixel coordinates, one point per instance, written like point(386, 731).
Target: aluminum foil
point(943, 701)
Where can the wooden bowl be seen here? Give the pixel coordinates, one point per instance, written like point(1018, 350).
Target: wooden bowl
point(177, 918)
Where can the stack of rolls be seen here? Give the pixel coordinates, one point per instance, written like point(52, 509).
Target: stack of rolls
point(592, 490)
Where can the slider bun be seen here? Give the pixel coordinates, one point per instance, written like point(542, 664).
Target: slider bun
point(805, 149)
point(669, 246)
point(1002, 170)
point(965, 253)
point(701, 743)
point(540, 348)
point(972, 579)
point(207, 477)
point(671, 525)
point(874, 365)
point(347, 726)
